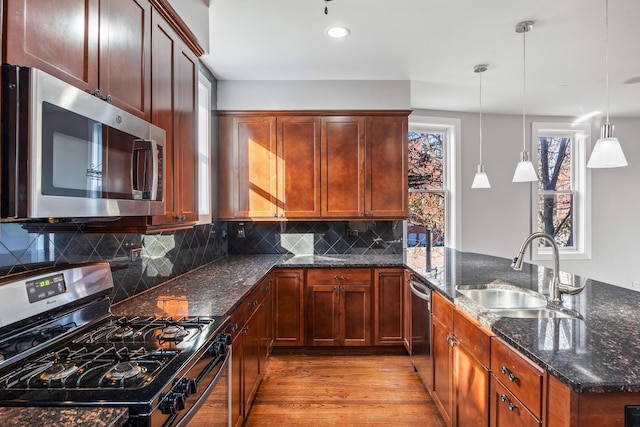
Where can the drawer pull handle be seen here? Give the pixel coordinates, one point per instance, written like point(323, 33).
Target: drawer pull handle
point(509, 374)
point(339, 277)
point(505, 399)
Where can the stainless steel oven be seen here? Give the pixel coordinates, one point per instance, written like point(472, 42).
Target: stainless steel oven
point(61, 346)
point(420, 334)
point(68, 154)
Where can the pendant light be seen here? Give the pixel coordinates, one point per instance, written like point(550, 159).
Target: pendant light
point(607, 153)
point(480, 180)
point(525, 172)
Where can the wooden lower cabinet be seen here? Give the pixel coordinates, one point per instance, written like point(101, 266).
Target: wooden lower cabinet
point(506, 410)
point(251, 328)
point(388, 287)
point(288, 308)
point(461, 358)
point(338, 307)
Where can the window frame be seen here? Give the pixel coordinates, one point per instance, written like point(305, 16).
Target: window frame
point(580, 134)
point(204, 85)
point(451, 178)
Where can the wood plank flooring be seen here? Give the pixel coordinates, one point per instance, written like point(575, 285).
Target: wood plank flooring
point(342, 390)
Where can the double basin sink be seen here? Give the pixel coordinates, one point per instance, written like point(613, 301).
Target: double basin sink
point(508, 300)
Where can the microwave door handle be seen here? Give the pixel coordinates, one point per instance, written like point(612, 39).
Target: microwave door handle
point(155, 162)
point(139, 157)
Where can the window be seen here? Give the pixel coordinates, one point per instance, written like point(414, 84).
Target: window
point(427, 199)
point(204, 150)
point(561, 201)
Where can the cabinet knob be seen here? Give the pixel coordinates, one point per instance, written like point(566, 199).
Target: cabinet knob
point(509, 374)
point(336, 288)
point(361, 213)
point(367, 214)
point(273, 214)
point(510, 404)
point(96, 93)
point(109, 99)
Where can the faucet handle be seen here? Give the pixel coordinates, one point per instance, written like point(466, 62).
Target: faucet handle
point(570, 290)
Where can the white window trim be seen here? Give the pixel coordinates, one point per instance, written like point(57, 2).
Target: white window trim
point(453, 215)
point(581, 133)
point(204, 216)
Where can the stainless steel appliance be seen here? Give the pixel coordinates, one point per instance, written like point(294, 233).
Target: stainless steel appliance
point(61, 346)
point(69, 154)
point(420, 341)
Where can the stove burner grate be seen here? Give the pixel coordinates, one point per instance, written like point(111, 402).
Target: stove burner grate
point(172, 332)
point(59, 372)
point(124, 371)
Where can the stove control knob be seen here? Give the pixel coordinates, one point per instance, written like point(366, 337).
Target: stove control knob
point(217, 349)
point(226, 338)
point(172, 403)
point(188, 386)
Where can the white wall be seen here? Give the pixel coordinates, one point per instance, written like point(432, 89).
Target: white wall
point(314, 95)
point(495, 221)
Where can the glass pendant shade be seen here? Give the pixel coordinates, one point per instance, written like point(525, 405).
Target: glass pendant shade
point(481, 180)
point(525, 172)
point(607, 153)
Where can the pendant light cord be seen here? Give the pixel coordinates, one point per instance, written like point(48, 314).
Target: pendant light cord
point(480, 117)
point(524, 89)
point(606, 54)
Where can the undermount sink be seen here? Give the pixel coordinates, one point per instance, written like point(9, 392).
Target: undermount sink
point(501, 298)
point(508, 300)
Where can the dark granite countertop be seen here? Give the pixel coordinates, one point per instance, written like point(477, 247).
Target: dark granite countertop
point(64, 417)
point(598, 353)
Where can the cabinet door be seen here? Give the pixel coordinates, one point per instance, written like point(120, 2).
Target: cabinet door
point(251, 359)
point(389, 307)
point(298, 167)
point(248, 167)
point(125, 54)
point(323, 327)
point(472, 390)
point(237, 393)
point(288, 309)
point(442, 392)
point(343, 167)
point(386, 177)
point(38, 35)
point(355, 315)
point(265, 311)
point(174, 84)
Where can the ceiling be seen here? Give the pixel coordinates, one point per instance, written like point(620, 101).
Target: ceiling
point(435, 44)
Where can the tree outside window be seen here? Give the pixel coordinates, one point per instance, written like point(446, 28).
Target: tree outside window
point(426, 223)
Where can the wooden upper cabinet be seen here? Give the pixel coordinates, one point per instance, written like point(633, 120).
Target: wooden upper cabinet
point(174, 85)
point(59, 37)
point(343, 166)
point(248, 167)
point(298, 168)
point(125, 54)
point(91, 44)
point(386, 175)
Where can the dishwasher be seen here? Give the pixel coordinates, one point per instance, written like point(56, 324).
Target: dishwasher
point(420, 331)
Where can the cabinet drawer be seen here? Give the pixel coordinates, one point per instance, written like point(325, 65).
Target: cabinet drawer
point(252, 301)
point(235, 322)
point(442, 310)
point(522, 377)
point(473, 337)
point(339, 276)
point(506, 410)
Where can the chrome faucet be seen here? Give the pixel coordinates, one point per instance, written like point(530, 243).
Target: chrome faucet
point(556, 289)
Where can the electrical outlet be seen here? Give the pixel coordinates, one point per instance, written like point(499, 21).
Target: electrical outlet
point(135, 254)
point(240, 232)
point(352, 233)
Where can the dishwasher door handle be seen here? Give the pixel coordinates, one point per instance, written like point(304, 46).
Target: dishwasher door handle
point(420, 290)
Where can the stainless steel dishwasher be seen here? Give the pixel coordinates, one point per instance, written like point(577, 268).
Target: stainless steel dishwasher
point(420, 342)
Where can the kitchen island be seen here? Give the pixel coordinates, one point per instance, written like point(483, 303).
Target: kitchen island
point(596, 355)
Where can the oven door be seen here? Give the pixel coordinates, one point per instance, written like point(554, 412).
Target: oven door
point(200, 395)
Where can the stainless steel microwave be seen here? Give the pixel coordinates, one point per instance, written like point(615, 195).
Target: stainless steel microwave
point(68, 154)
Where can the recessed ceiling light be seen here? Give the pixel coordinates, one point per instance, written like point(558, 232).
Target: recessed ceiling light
point(338, 32)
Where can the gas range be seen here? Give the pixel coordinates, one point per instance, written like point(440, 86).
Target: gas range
point(76, 353)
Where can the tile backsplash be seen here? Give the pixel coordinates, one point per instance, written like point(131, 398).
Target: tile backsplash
point(308, 238)
point(26, 246)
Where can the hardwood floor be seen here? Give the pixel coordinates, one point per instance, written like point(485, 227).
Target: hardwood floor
point(344, 390)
